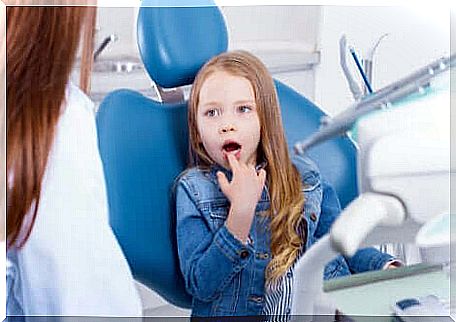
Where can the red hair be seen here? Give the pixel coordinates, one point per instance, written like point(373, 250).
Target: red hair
point(42, 43)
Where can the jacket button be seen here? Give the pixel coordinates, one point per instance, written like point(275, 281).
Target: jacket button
point(244, 254)
point(262, 255)
point(313, 216)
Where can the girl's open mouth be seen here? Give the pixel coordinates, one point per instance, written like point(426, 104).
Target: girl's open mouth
point(231, 147)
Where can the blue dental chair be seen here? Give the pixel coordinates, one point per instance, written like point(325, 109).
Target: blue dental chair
point(144, 143)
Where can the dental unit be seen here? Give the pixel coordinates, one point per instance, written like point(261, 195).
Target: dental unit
point(403, 164)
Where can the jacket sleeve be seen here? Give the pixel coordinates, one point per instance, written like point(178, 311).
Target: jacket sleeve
point(208, 260)
point(330, 210)
point(368, 259)
point(365, 259)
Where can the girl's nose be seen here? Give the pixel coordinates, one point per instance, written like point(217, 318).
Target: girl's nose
point(227, 128)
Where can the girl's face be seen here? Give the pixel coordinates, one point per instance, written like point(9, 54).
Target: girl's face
point(227, 118)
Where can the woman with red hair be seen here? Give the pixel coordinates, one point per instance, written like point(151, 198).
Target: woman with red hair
point(62, 256)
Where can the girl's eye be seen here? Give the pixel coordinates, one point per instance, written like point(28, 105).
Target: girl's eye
point(244, 109)
point(212, 112)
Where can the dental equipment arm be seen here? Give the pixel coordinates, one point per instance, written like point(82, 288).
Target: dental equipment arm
point(380, 99)
point(308, 284)
point(363, 215)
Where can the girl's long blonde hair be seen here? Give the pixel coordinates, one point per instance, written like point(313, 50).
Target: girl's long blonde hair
point(284, 181)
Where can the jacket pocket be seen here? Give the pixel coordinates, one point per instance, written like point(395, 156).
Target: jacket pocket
point(228, 300)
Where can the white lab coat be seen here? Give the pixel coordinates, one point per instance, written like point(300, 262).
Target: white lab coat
point(72, 263)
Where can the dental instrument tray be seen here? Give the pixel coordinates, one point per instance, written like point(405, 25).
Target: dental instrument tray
point(375, 293)
point(380, 275)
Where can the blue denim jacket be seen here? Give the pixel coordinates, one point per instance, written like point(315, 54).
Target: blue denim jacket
point(227, 277)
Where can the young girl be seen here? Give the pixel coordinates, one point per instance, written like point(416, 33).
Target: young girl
point(246, 211)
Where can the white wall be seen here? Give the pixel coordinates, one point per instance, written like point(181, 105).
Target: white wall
point(283, 37)
point(453, 141)
point(289, 39)
point(120, 21)
point(416, 37)
point(295, 25)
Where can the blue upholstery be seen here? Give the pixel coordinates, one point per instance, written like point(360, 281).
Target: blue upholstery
point(336, 158)
point(140, 163)
point(144, 144)
point(175, 42)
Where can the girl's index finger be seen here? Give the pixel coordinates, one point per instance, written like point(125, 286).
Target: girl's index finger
point(233, 162)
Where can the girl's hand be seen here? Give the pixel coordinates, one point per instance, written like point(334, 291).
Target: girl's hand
point(243, 191)
point(393, 264)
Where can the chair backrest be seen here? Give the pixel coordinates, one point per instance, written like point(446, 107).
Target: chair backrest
point(336, 158)
point(144, 143)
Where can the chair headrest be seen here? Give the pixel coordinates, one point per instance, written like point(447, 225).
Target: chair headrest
point(175, 40)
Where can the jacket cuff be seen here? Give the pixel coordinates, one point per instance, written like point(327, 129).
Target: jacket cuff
point(394, 262)
point(237, 252)
point(380, 261)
